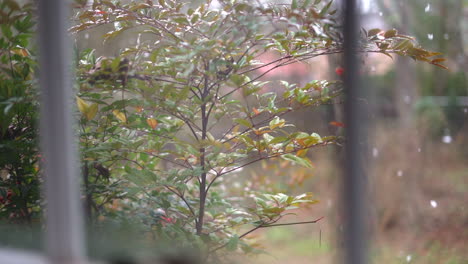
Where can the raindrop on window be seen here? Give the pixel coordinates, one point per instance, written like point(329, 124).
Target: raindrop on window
point(408, 258)
point(419, 149)
point(430, 36)
point(446, 36)
point(399, 173)
point(447, 138)
point(433, 204)
point(86, 35)
point(428, 8)
point(375, 152)
point(380, 14)
point(407, 99)
point(465, 110)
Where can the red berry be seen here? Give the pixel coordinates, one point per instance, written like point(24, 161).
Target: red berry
point(339, 71)
point(168, 219)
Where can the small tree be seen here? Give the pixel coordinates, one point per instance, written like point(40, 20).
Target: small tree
point(184, 109)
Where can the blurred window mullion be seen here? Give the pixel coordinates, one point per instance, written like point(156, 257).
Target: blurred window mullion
point(64, 238)
point(353, 174)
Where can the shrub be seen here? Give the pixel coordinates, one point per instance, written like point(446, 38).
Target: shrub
point(171, 119)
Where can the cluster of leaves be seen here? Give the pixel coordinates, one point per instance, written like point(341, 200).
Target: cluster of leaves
point(390, 41)
point(172, 118)
point(19, 181)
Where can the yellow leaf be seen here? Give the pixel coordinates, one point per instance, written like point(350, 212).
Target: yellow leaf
point(121, 116)
point(20, 51)
point(301, 153)
point(152, 122)
point(91, 111)
point(82, 105)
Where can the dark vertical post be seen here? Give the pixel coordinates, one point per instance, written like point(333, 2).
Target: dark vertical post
point(64, 223)
point(354, 189)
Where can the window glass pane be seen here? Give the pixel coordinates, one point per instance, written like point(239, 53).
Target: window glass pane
point(209, 129)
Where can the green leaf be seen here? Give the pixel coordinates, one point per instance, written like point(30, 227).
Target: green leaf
point(278, 140)
point(232, 243)
point(243, 122)
point(294, 4)
point(373, 32)
point(276, 122)
point(390, 33)
point(301, 161)
point(6, 30)
point(325, 9)
point(194, 19)
point(404, 45)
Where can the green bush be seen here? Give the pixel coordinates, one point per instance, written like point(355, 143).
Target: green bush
point(174, 117)
point(19, 181)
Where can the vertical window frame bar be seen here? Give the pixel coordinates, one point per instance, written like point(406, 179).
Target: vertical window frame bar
point(64, 236)
point(354, 192)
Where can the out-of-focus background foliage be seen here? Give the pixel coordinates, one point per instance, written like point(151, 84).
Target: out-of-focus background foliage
point(418, 174)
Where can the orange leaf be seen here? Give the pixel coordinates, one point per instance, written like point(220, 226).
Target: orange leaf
point(438, 60)
point(301, 141)
point(152, 122)
point(301, 153)
point(139, 109)
point(256, 112)
point(337, 124)
point(440, 65)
